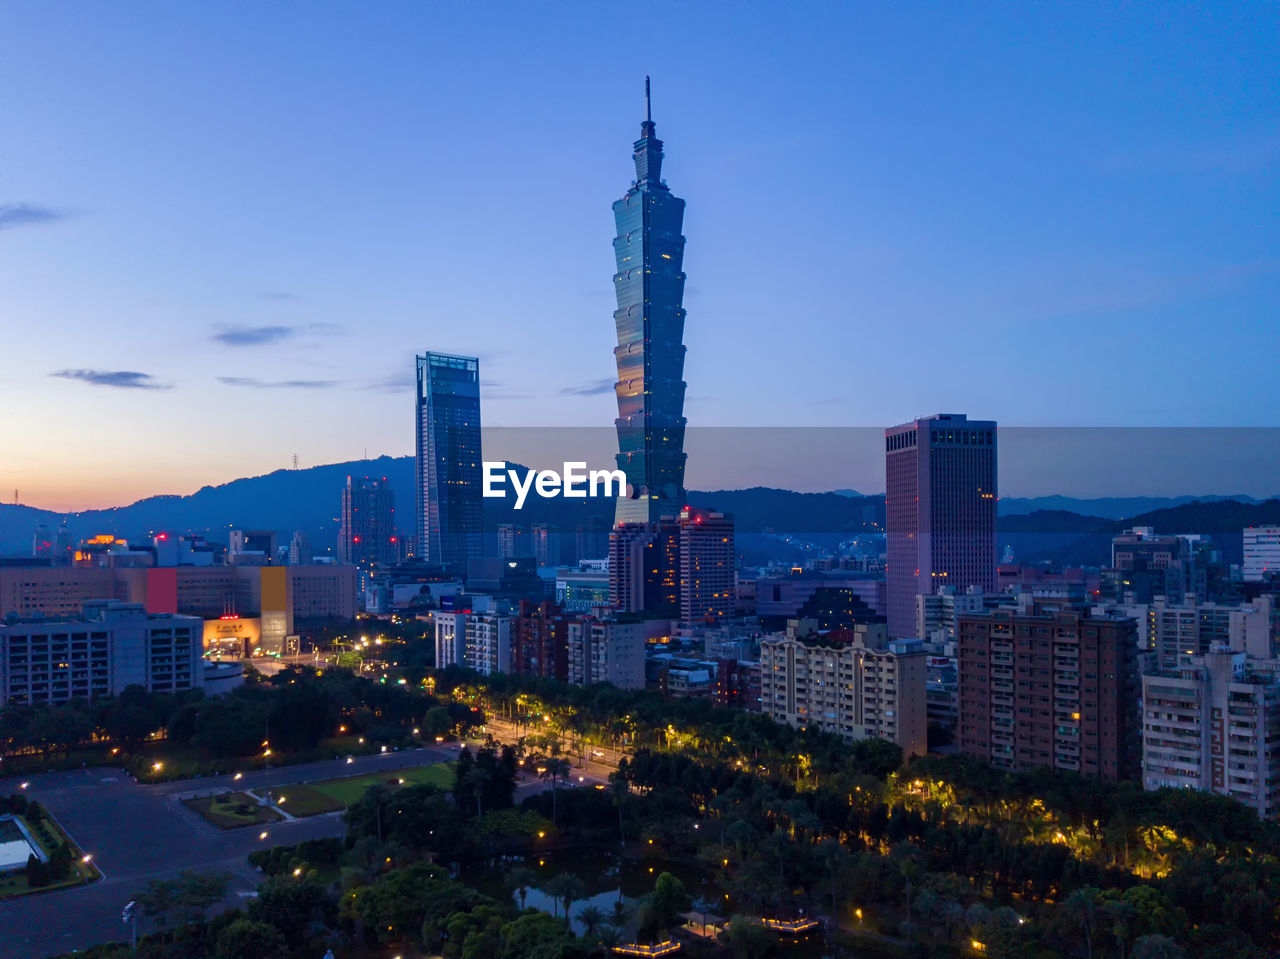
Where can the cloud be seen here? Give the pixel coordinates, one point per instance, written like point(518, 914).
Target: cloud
point(257, 384)
point(27, 214)
point(276, 295)
point(400, 382)
point(262, 335)
point(253, 335)
point(594, 388)
point(121, 379)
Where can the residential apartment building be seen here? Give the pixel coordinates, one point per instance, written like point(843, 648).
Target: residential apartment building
point(1214, 725)
point(1050, 687)
point(854, 683)
point(487, 648)
point(610, 650)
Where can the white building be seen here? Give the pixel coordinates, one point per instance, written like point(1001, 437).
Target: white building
point(611, 650)
point(854, 683)
point(1261, 553)
point(112, 646)
point(1214, 725)
point(451, 635)
point(487, 648)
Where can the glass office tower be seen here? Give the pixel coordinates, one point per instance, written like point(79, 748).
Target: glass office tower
point(448, 459)
point(650, 353)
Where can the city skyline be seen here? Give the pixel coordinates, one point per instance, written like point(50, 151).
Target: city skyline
point(274, 236)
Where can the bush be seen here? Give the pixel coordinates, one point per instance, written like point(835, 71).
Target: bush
point(34, 813)
point(18, 803)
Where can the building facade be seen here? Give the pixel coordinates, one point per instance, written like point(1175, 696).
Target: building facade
point(112, 646)
point(367, 528)
point(487, 648)
point(540, 641)
point(448, 459)
point(1261, 553)
point(855, 683)
point(649, 285)
point(940, 509)
point(608, 651)
point(708, 566)
point(1213, 725)
point(1044, 687)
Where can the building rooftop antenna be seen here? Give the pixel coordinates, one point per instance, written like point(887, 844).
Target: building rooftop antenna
point(648, 111)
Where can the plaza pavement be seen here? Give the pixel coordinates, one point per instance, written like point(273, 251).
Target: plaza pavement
point(136, 833)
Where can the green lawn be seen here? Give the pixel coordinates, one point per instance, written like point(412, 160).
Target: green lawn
point(231, 810)
point(314, 798)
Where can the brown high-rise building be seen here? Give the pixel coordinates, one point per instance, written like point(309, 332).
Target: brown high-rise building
point(540, 641)
point(1044, 687)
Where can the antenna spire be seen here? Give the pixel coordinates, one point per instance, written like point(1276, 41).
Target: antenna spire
point(648, 111)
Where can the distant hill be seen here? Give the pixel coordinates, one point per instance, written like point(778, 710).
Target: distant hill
point(1069, 539)
point(1110, 507)
point(309, 499)
point(783, 523)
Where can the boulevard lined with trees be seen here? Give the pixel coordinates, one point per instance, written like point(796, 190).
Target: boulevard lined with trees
point(944, 857)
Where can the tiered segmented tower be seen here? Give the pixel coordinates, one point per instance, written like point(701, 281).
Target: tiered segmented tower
point(650, 354)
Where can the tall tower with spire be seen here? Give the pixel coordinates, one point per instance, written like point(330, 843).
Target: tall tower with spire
point(649, 284)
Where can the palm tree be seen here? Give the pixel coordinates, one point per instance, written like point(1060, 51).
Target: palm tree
point(607, 937)
point(476, 780)
point(556, 769)
point(621, 912)
point(521, 878)
point(565, 888)
point(619, 789)
point(1082, 905)
point(592, 918)
point(833, 856)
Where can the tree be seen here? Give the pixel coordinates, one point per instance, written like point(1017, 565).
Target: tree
point(565, 888)
point(1157, 947)
point(591, 918)
point(619, 789)
point(477, 779)
point(245, 937)
point(294, 907)
point(196, 892)
point(158, 900)
point(667, 901)
point(1082, 907)
point(747, 938)
point(834, 858)
point(520, 879)
point(556, 769)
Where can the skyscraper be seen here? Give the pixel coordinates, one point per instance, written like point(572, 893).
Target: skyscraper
point(649, 284)
point(940, 507)
point(448, 458)
point(546, 544)
point(367, 532)
point(708, 564)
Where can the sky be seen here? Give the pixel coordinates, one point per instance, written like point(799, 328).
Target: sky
point(227, 228)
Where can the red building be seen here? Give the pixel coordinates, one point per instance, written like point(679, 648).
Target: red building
point(1045, 687)
point(540, 641)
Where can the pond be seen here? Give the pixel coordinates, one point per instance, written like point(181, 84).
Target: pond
point(15, 848)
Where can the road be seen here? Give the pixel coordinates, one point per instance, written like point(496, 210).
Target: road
point(136, 833)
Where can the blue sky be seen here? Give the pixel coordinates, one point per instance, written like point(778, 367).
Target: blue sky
point(1044, 214)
